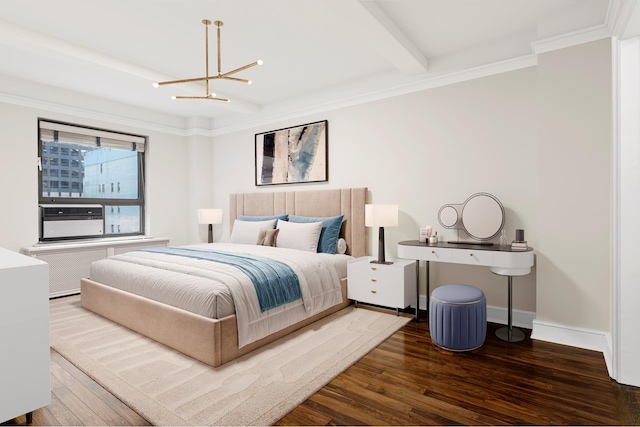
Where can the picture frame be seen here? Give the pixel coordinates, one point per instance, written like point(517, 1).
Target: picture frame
point(293, 155)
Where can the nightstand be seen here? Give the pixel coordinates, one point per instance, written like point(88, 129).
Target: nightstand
point(386, 285)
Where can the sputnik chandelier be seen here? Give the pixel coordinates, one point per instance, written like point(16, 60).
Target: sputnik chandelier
point(207, 77)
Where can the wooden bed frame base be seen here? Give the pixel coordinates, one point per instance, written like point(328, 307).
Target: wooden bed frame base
point(215, 341)
point(211, 341)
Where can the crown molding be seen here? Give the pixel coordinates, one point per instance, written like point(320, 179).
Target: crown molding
point(574, 38)
point(426, 83)
point(88, 114)
point(619, 15)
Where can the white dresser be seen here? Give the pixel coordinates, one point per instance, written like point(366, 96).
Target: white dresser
point(387, 285)
point(25, 381)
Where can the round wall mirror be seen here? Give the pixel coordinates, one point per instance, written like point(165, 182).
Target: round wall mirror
point(448, 216)
point(482, 216)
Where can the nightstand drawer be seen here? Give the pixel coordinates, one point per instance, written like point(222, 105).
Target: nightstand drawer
point(379, 293)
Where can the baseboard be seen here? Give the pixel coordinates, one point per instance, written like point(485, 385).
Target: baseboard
point(575, 337)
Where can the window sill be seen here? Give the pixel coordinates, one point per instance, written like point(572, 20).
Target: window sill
point(97, 242)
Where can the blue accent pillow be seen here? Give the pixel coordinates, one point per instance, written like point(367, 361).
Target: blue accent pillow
point(283, 217)
point(329, 234)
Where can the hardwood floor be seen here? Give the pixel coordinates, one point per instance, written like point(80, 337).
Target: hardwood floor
point(77, 400)
point(408, 381)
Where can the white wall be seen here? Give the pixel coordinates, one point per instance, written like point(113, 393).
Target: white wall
point(574, 186)
point(549, 168)
point(421, 151)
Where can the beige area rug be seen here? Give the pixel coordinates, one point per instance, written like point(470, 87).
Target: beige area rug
point(169, 388)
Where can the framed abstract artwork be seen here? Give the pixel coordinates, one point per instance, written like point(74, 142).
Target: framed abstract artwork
point(292, 155)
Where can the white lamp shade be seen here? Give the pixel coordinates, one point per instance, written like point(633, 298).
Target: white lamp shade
point(209, 216)
point(381, 215)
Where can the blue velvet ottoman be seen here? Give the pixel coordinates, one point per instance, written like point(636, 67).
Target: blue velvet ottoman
point(458, 317)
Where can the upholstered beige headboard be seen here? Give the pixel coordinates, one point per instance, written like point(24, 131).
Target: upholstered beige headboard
point(317, 203)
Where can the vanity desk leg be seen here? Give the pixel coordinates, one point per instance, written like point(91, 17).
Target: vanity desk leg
point(426, 274)
point(509, 333)
point(417, 318)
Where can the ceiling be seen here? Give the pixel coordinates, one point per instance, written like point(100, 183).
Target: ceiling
point(314, 51)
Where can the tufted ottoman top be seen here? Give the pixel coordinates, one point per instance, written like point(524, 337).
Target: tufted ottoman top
point(457, 294)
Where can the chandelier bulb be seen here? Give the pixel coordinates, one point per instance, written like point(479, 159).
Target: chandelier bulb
point(156, 84)
point(249, 82)
point(259, 61)
point(173, 97)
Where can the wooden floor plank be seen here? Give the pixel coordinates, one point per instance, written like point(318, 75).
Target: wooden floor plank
point(110, 408)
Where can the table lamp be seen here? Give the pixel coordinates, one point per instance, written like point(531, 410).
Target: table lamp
point(381, 216)
point(210, 216)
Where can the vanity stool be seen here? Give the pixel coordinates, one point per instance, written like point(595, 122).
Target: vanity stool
point(458, 317)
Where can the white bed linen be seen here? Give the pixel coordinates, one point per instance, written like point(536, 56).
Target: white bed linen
point(217, 290)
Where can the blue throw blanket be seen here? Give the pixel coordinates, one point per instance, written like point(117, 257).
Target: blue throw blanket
point(275, 282)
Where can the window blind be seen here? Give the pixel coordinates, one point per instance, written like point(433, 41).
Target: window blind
point(51, 131)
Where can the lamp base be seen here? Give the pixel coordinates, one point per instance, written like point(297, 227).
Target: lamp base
point(375, 261)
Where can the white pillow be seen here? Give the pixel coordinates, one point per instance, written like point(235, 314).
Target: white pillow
point(246, 232)
point(299, 235)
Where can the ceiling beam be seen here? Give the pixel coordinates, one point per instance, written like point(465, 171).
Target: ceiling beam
point(370, 21)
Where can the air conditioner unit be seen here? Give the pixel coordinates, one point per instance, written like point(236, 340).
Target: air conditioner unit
point(60, 222)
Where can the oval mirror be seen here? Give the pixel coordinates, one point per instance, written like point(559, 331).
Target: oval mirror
point(448, 216)
point(482, 216)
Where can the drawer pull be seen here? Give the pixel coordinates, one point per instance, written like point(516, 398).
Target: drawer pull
point(433, 252)
point(373, 280)
point(374, 292)
point(470, 254)
point(373, 268)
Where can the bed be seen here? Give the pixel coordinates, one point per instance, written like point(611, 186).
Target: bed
point(214, 338)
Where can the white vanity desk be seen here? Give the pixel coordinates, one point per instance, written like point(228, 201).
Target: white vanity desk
point(500, 259)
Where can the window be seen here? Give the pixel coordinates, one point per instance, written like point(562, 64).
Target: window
point(95, 157)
